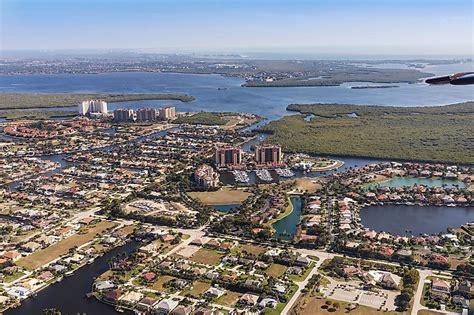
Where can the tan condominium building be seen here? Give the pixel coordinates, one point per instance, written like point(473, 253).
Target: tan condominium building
point(146, 114)
point(166, 113)
point(228, 156)
point(268, 154)
point(123, 115)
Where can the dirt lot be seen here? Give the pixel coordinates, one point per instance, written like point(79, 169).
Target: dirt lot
point(159, 284)
point(229, 298)
point(198, 288)
point(316, 306)
point(220, 197)
point(308, 184)
point(52, 252)
point(207, 256)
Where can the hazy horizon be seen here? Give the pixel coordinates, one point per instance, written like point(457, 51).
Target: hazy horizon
point(428, 28)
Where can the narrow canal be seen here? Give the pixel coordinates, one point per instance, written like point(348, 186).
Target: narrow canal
point(68, 296)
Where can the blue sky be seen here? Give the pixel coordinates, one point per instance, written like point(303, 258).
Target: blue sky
point(423, 27)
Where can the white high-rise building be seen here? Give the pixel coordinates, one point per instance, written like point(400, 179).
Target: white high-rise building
point(93, 106)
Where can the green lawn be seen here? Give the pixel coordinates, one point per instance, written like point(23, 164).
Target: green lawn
point(196, 289)
point(276, 270)
point(207, 256)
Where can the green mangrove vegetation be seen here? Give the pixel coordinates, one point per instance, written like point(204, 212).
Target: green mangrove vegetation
point(435, 133)
point(33, 115)
point(45, 100)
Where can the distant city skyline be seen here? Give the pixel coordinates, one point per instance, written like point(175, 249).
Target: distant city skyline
point(325, 28)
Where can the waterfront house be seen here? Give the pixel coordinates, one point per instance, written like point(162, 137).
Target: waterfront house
point(104, 285)
point(19, 292)
point(30, 284)
point(113, 296)
point(146, 304)
point(4, 300)
point(131, 297)
point(45, 275)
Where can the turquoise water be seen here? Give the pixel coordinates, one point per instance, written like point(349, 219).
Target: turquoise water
point(285, 229)
point(429, 182)
point(225, 208)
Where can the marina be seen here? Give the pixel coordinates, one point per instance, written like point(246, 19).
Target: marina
point(264, 175)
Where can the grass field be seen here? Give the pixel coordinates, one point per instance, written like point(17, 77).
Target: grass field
point(164, 246)
point(45, 100)
point(254, 250)
point(220, 197)
point(12, 277)
point(52, 252)
point(308, 184)
point(207, 256)
point(276, 270)
point(159, 284)
point(438, 133)
point(229, 298)
point(314, 307)
point(197, 289)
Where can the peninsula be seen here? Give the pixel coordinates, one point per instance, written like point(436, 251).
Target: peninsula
point(436, 134)
point(48, 100)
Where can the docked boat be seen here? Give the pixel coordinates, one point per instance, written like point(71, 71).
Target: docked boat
point(284, 172)
point(264, 175)
point(241, 176)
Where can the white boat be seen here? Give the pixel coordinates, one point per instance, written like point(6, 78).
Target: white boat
point(264, 175)
point(241, 176)
point(284, 172)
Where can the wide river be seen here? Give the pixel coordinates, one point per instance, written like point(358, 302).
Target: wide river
point(219, 93)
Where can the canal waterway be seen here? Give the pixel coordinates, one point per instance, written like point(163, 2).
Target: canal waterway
point(68, 296)
point(285, 229)
point(415, 220)
point(225, 208)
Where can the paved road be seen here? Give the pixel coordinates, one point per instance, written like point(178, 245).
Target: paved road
point(301, 285)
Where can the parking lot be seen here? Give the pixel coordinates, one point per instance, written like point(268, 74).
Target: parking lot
point(351, 292)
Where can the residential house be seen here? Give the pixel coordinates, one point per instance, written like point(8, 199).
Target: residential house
point(249, 299)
